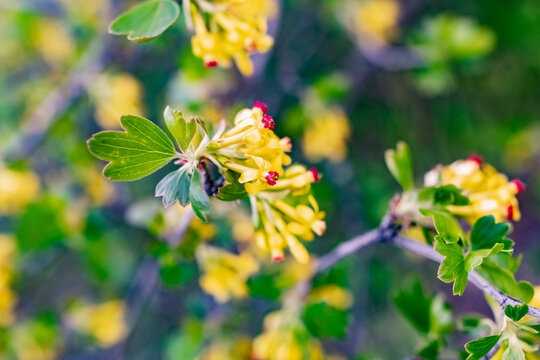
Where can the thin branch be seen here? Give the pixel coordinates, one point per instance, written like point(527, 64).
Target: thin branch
point(377, 235)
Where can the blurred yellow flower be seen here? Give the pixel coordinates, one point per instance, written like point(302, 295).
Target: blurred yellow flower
point(326, 136)
point(53, 41)
point(231, 30)
point(282, 339)
point(29, 345)
point(489, 192)
point(18, 188)
point(376, 21)
point(99, 189)
point(333, 295)
point(225, 274)
point(228, 349)
point(105, 322)
point(116, 95)
point(8, 298)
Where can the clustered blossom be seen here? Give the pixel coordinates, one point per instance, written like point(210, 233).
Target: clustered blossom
point(489, 192)
point(7, 297)
point(231, 30)
point(284, 211)
point(224, 273)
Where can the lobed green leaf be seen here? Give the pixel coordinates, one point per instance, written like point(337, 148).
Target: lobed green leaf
point(399, 162)
point(479, 348)
point(200, 202)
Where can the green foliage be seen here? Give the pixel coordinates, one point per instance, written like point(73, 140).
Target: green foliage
point(516, 312)
point(504, 279)
point(477, 349)
point(175, 187)
point(323, 320)
point(182, 130)
point(399, 162)
point(146, 20)
point(445, 224)
point(200, 202)
point(443, 195)
point(141, 150)
point(232, 190)
point(485, 234)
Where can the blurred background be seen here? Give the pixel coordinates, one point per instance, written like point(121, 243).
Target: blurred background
point(84, 273)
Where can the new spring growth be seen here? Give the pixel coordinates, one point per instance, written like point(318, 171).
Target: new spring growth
point(246, 161)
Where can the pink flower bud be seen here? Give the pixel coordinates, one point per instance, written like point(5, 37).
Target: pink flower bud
point(268, 122)
point(261, 106)
point(477, 159)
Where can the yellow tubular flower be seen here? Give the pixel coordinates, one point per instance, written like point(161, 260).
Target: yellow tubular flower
point(376, 21)
point(326, 137)
point(8, 298)
point(225, 274)
point(333, 295)
point(17, 189)
point(283, 339)
point(233, 30)
point(105, 322)
point(489, 192)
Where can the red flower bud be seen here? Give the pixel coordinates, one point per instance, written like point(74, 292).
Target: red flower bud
point(510, 212)
point(315, 173)
point(520, 186)
point(211, 64)
point(477, 159)
point(261, 106)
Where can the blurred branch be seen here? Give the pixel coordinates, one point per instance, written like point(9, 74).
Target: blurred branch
point(387, 234)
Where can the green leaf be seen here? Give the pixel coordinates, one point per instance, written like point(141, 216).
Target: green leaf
point(429, 351)
point(443, 195)
point(233, 190)
point(173, 187)
point(504, 280)
point(200, 202)
point(516, 312)
point(399, 162)
point(141, 150)
point(415, 306)
point(453, 267)
point(182, 130)
point(323, 320)
point(146, 21)
point(441, 317)
point(514, 351)
point(445, 225)
point(486, 233)
point(480, 347)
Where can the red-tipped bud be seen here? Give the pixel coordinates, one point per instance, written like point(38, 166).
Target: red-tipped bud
point(211, 64)
point(261, 106)
point(520, 186)
point(268, 122)
point(272, 177)
point(286, 144)
point(477, 159)
point(251, 46)
point(315, 173)
point(510, 212)
point(278, 258)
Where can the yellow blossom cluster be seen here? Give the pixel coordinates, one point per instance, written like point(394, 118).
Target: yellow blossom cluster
point(224, 273)
point(333, 295)
point(283, 208)
point(7, 297)
point(375, 22)
point(489, 192)
point(105, 322)
point(17, 189)
point(115, 95)
point(326, 136)
point(231, 30)
point(285, 338)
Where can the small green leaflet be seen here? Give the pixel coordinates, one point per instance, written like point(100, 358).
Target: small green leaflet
point(182, 130)
point(453, 267)
point(233, 190)
point(323, 320)
point(486, 233)
point(443, 195)
point(200, 202)
point(445, 225)
point(479, 348)
point(516, 312)
point(505, 281)
point(141, 150)
point(399, 162)
point(415, 306)
point(175, 186)
point(146, 21)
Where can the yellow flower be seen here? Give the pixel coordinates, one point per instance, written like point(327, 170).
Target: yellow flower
point(228, 349)
point(8, 298)
point(53, 41)
point(17, 189)
point(256, 174)
point(333, 295)
point(28, 345)
point(105, 322)
point(225, 274)
point(114, 96)
point(231, 31)
point(536, 299)
point(284, 338)
point(326, 136)
point(376, 21)
point(489, 192)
